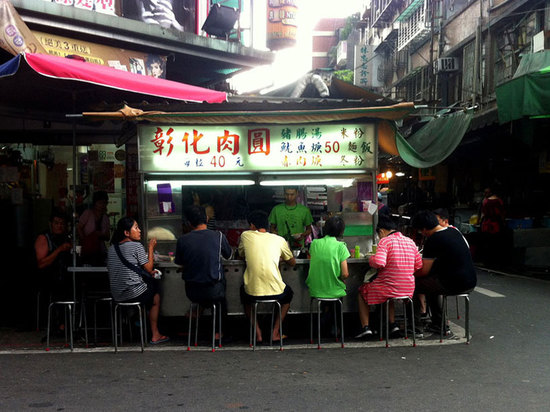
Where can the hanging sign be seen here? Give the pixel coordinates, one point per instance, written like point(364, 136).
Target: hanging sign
point(165, 148)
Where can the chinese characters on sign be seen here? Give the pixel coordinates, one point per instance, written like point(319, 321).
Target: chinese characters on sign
point(368, 67)
point(246, 148)
point(362, 57)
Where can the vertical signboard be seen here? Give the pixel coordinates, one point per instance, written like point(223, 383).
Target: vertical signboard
point(362, 74)
point(281, 23)
point(367, 66)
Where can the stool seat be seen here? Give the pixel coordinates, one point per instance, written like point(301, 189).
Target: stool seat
point(466, 297)
point(215, 306)
point(142, 322)
point(274, 303)
point(319, 301)
point(404, 300)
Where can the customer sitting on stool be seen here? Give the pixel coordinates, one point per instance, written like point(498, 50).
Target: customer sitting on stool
point(128, 285)
point(52, 258)
point(447, 268)
point(200, 253)
point(262, 279)
point(328, 267)
point(397, 258)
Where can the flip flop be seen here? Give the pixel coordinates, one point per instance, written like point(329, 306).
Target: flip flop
point(156, 342)
point(278, 340)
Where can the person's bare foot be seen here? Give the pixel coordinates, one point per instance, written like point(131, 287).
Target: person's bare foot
point(159, 338)
point(277, 337)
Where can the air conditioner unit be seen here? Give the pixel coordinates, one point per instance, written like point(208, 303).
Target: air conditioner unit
point(446, 64)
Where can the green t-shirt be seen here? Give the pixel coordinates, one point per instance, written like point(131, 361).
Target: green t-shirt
point(323, 278)
point(295, 218)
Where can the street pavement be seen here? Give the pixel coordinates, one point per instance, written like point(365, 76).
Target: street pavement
point(505, 368)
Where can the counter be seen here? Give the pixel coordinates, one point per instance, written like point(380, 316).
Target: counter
point(174, 302)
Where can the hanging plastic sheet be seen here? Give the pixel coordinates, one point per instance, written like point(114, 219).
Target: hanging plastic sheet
point(435, 141)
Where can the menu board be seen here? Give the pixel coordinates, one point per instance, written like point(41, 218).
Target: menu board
point(308, 147)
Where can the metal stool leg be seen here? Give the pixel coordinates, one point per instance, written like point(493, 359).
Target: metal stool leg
point(387, 323)
point(117, 320)
point(318, 324)
point(443, 318)
point(194, 310)
point(411, 303)
point(214, 327)
point(255, 323)
point(219, 325)
point(141, 328)
point(467, 313)
point(341, 319)
point(310, 322)
point(198, 309)
point(335, 322)
point(83, 313)
point(71, 326)
point(280, 326)
point(381, 320)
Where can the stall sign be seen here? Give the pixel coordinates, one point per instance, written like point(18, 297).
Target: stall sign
point(311, 147)
point(126, 60)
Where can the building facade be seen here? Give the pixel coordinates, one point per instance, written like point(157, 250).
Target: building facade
point(445, 54)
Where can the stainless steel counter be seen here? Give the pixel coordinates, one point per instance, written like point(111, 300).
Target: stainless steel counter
point(174, 302)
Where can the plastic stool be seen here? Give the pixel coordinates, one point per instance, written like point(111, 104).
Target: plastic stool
point(195, 307)
point(319, 300)
point(142, 322)
point(466, 297)
point(253, 324)
point(404, 300)
point(108, 300)
point(67, 305)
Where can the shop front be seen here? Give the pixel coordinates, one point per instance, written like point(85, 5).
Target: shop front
point(233, 169)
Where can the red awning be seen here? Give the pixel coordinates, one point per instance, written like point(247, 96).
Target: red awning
point(50, 83)
point(70, 69)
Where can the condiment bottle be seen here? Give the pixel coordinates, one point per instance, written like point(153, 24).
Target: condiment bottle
point(357, 254)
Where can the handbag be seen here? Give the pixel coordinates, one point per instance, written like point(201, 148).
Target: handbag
point(138, 269)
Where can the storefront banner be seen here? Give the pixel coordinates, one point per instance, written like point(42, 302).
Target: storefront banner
point(101, 6)
point(126, 60)
point(15, 36)
point(241, 148)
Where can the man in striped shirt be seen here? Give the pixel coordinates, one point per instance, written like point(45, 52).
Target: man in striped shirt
point(396, 258)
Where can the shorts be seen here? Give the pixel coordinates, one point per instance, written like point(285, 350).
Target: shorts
point(205, 292)
point(283, 298)
point(148, 296)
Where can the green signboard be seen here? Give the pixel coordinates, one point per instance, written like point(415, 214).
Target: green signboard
point(240, 148)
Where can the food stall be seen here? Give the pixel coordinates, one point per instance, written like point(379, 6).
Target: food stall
point(234, 168)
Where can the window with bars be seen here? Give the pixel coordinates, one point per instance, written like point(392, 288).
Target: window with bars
point(415, 26)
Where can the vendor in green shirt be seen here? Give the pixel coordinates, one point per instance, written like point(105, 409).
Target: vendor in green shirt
point(291, 220)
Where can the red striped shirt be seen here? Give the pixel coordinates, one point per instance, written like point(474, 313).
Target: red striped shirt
point(396, 258)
